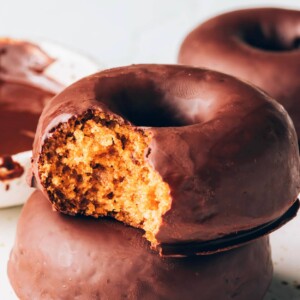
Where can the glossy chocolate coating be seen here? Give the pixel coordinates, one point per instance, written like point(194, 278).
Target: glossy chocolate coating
point(11, 168)
point(24, 90)
point(259, 45)
point(227, 242)
point(228, 151)
point(61, 257)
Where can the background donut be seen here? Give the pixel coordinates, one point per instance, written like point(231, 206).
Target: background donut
point(31, 72)
point(260, 45)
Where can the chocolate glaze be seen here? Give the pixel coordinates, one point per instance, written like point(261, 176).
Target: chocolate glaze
point(61, 257)
point(20, 109)
point(10, 169)
point(259, 45)
point(24, 90)
point(24, 63)
point(228, 151)
point(231, 241)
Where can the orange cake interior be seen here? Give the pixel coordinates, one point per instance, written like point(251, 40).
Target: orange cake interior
point(96, 165)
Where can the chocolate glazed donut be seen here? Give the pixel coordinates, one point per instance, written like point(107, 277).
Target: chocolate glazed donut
point(259, 45)
point(24, 89)
point(60, 257)
point(189, 155)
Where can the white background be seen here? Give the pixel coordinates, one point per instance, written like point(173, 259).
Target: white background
point(117, 32)
point(134, 31)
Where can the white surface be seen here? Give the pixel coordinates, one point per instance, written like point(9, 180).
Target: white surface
point(16, 191)
point(124, 32)
point(8, 223)
point(68, 67)
point(286, 259)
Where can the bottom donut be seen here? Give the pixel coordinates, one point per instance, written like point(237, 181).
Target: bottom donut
point(62, 257)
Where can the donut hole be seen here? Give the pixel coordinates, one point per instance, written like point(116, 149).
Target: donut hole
point(269, 40)
point(95, 166)
point(140, 102)
point(148, 113)
point(296, 43)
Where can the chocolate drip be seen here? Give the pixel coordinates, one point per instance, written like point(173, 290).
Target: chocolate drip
point(10, 169)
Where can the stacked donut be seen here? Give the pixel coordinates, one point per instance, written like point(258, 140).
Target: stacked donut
point(164, 181)
point(172, 162)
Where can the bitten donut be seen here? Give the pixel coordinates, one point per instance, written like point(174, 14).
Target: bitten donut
point(61, 257)
point(186, 154)
point(24, 89)
point(259, 45)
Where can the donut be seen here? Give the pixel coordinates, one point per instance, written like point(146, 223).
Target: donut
point(259, 45)
point(60, 257)
point(21, 97)
point(29, 78)
point(24, 88)
point(186, 154)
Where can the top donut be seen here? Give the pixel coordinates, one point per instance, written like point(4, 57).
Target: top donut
point(189, 155)
point(259, 45)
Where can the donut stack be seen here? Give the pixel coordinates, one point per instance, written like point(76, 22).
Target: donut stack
point(161, 165)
